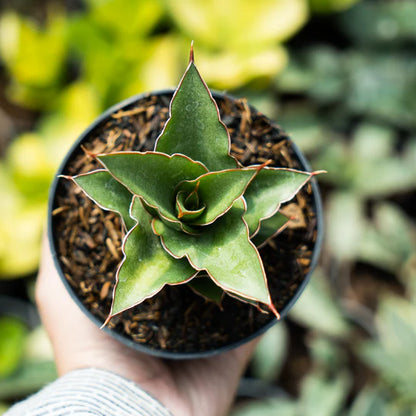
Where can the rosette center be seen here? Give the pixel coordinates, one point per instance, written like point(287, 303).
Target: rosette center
point(188, 205)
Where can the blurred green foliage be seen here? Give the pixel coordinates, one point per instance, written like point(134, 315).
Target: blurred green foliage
point(330, 6)
point(351, 108)
point(26, 360)
point(34, 57)
point(349, 102)
point(12, 333)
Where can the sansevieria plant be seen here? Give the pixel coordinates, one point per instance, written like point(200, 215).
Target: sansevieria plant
point(191, 213)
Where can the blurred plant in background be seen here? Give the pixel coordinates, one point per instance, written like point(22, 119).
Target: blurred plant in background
point(338, 75)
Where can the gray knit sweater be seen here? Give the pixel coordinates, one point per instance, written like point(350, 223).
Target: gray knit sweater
point(90, 392)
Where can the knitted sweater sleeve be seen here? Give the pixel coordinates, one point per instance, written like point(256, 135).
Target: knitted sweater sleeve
point(90, 392)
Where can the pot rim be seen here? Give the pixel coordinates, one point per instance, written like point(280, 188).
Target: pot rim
point(143, 347)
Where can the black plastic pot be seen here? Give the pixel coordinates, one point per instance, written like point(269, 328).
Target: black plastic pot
point(124, 339)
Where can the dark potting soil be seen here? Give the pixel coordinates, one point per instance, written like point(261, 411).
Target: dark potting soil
point(88, 239)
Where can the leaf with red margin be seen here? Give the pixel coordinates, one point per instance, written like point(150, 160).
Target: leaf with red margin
point(217, 191)
point(203, 286)
point(146, 267)
point(153, 176)
point(268, 190)
point(184, 213)
point(194, 127)
point(269, 228)
point(225, 252)
point(107, 192)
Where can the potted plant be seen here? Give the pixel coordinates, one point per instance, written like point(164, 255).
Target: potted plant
point(167, 216)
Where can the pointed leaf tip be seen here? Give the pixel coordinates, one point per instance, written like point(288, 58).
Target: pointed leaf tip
point(146, 267)
point(191, 53)
point(107, 320)
point(318, 172)
point(224, 251)
point(274, 311)
point(194, 127)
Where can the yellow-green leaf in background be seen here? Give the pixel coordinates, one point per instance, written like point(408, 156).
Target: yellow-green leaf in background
point(106, 62)
point(238, 24)
point(12, 335)
point(79, 104)
point(240, 66)
point(240, 37)
point(125, 17)
point(21, 225)
point(32, 158)
point(34, 56)
point(161, 68)
point(29, 166)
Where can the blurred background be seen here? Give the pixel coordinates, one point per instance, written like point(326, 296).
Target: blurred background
point(338, 75)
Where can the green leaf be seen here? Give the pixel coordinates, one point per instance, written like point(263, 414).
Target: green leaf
point(392, 352)
point(369, 402)
point(241, 66)
point(218, 191)
point(12, 335)
point(238, 24)
point(330, 6)
point(111, 15)
point(153, 176)
point(25, 47)
point(205, 287)
point(270, 353)
point(325, 353)
point(317, 309)
point(387, 241)
point(28, 379)
point(268, 190)
point(194, 127)
point(268, 407)
point(107, 192)
point(269, 228)
point(186, 210)
point(224, 251)
point(384, 24)
point(146, 266)
point(322, 396)
point(343, 237)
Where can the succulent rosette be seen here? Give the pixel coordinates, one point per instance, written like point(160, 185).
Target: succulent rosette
point(191, 213)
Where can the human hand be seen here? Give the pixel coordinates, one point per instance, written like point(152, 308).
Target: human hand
point(192, 387)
